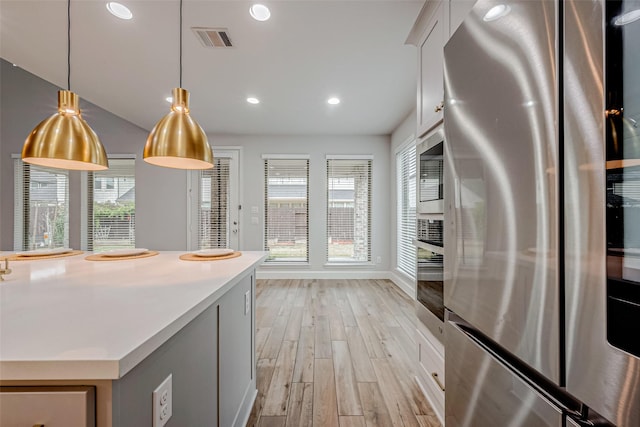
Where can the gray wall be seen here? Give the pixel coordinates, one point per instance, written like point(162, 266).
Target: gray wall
point(161, 200)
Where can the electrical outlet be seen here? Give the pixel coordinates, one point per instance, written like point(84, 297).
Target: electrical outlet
point(255, 220)
point(254, 209)
point(163, 402)
point(378, 260)
point(247, 302)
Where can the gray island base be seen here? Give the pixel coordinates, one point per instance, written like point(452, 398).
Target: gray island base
point(121, 333)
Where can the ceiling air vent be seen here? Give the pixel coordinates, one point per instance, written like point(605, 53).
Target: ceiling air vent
point(213, 37)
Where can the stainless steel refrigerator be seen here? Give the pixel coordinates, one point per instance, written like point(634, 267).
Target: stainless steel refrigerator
point(542, 211)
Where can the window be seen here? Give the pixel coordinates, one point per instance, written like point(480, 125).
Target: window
point(111, 206)
point(348, 210)
point(41, 207)
point(286, 235)
point(406, 210)
point(213, 205)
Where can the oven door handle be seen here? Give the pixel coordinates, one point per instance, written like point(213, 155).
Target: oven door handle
point(428, 246)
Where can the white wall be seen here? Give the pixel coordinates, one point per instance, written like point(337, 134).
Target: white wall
point(403, 133)
point(161, 194)
point(317, 147)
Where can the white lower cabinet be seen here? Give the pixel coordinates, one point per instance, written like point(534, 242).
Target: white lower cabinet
point(430, 370)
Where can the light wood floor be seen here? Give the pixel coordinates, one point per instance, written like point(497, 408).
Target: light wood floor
point(336, 353)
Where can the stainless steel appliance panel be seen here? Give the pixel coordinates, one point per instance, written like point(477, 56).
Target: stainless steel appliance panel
point(607, 379)
point(572, 423)
point(481, 391)
point(429, 281)
point(429, 167)
point(501, 272)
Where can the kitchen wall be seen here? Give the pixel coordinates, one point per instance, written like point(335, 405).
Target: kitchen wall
point(317, 147)
point(161, 198)
point(403, 134)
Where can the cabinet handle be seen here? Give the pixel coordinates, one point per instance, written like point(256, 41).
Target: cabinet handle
point(38, 425)
point(437, 380)
point(439, 107)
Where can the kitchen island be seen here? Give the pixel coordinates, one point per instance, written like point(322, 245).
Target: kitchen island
point(122, 327)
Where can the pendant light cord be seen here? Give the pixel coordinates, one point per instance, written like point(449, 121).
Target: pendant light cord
point(180, 43)
point(69, 45)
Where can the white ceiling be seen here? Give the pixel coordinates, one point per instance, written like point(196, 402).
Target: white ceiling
point(306, 52)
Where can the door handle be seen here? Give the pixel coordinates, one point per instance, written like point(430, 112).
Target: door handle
point(6, 270)
point(437, 380)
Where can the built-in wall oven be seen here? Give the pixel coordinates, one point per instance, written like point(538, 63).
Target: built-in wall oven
point(430, 167)
point(429, 239)
point(429, 285)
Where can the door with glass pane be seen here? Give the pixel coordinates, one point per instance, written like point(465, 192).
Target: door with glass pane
point(214, 205)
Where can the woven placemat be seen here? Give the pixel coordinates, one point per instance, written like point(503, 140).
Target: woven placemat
point(100, 257)
point(34, 258)
point(192, 257)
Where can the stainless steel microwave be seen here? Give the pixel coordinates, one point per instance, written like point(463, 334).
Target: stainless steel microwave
point(430, 174)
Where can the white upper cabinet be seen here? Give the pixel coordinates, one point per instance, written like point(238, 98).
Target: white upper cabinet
point(430, 63)
point(458, 10)
point(437, 20)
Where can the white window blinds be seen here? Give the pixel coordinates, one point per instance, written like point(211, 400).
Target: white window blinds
point(41, 207)
point(286, 187)
point(111, 206)
point(349, 210)
point(213, 205)
point(406, 210)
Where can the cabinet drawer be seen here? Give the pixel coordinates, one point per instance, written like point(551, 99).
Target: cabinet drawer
point(431, 373)
point(47, 406)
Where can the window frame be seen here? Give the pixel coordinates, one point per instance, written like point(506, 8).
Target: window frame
point(298, 157)
point(86, 227)
point(410, 251)
point(21, 215)
point(354, 262)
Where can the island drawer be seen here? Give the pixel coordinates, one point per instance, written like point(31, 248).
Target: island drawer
point(64, 406)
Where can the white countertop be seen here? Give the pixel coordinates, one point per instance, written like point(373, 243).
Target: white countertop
point(69, 318)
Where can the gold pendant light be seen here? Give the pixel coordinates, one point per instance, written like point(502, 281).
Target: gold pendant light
point(65, 140)
point(177, 140)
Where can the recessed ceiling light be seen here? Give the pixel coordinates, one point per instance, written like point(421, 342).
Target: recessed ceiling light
point(252, 100)
point(259, 12)
point(627, 18)
point(497, 12)
point(119, 10)
point(333, 101)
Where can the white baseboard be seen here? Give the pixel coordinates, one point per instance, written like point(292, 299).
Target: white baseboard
point(406, 286)
point(322, 274)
